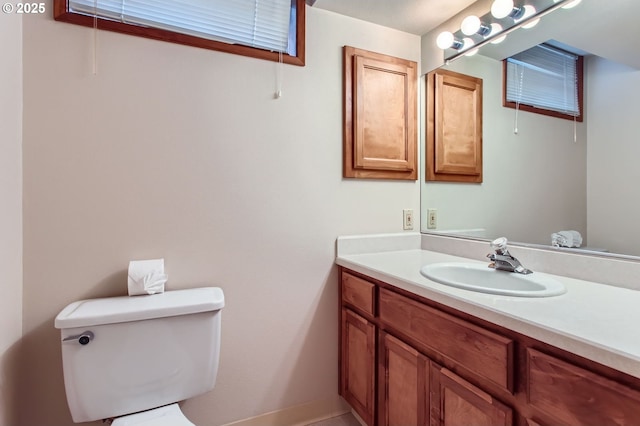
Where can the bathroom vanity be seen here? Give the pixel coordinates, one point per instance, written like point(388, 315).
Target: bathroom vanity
point(415, 352)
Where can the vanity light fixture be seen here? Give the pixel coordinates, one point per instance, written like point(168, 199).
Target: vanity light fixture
point(505, 16)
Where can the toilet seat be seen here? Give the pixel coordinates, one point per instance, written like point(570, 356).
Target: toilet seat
point(169, 415)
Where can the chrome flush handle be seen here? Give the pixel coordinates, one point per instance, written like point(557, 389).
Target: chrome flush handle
point(83, 338)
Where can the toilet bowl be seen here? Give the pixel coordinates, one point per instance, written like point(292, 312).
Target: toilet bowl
point(132, 359)
point(169, 415)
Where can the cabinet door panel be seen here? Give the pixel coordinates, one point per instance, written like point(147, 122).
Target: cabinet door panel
point(404, 384)
point(456, 402)
point(576, 396)
point(381, 138)
point(358, 364)
point(454, 127)
point(380, 116)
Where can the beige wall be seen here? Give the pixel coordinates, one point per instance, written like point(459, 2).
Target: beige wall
point(10, 210)
point(183, 153)
point(612, 117)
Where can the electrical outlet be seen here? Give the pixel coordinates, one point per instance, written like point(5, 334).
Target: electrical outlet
point(432, 218)
point(407, 219)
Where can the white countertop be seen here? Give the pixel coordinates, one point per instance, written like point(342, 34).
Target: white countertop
point(596, 321)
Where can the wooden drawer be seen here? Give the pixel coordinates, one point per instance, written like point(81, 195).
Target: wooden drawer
point(480, 351)
point(358, 293)
point(575, 396)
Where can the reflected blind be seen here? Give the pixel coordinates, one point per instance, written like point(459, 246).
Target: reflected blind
point(544, 77)
point(263, 24)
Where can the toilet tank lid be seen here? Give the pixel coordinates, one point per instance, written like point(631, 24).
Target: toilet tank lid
point(110, 310)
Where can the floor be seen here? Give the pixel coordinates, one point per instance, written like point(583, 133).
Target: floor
point(344, 420)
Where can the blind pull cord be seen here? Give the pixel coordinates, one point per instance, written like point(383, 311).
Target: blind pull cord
point(518, 98)
point(95, 37)
point(279, 69)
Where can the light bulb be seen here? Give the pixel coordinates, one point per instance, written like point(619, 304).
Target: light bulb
point(571, 4)
point(470, 25)
point(501, 8)
point(531, 24)
point(529, 11)
point(445, 40)
point(495, 29)
point(467, 43)
point(471, 52)
point(500, 39)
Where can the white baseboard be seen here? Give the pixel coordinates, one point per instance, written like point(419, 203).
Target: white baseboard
point(299, 415)
point(358, 418)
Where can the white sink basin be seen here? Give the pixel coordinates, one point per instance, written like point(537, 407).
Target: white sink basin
point(479, 277)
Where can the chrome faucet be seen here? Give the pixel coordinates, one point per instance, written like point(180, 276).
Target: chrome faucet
point(502, 259)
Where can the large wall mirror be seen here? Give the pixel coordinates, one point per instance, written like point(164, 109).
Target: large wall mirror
point(556, 174)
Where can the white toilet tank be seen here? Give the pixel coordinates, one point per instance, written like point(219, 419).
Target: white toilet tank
point(122, 355)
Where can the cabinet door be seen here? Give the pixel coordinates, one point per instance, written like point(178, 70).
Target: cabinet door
point(453, 127)
point(403, 384)
point(456, 402)
point(357, 384)
point(380, 120)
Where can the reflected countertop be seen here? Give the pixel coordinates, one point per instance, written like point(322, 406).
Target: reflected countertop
point(593, 320)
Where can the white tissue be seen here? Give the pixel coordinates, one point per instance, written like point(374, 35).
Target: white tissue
point(146, 277)
point(566, 239)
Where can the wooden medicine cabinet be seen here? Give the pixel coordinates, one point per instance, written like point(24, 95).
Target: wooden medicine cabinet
point(380, 118)
point(453, 127)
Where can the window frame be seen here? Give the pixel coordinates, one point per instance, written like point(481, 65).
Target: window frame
point(544, 111)
point(62, 13)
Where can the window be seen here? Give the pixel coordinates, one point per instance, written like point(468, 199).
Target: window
point(257, 28)
point(545, 80)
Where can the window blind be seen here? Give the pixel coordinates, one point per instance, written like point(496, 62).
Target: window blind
point(262, 24)
point(544, 77)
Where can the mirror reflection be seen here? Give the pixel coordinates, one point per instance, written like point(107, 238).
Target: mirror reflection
point(539, 181)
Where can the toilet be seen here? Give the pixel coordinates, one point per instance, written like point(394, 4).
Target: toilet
point(132, 359)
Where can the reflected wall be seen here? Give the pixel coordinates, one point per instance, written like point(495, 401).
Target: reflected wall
point(521, 196)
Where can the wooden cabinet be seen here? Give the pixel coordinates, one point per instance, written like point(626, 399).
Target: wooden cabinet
point(485, 353)
point(403, 384)
point(412, 389)
point(453, 127)
point(575, 396)
point(380, 120)
point(358, 364)
point(456, 402)
point(406, 361)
